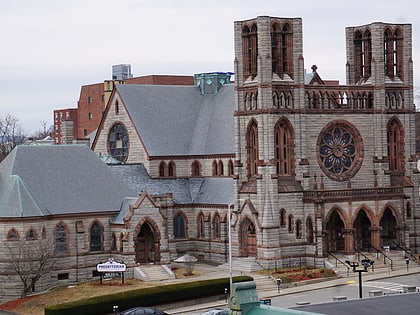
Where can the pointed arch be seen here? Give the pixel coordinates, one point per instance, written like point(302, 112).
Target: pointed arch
point(248, 238)
point(214, 168)
point(201, 226)
point(31, 234)
point(362, 225)
point(216, 226)
point(395, 141)
point(96, 236)
point(162, 169)
point(334, 228)
point(172, 169)
point(13, 235)
point(230, 168)
point(61, 245)
point(196, 169)
point(309, 230)
point(252, 149)
point(250, 50)
point(180, 225)
point(284, 148)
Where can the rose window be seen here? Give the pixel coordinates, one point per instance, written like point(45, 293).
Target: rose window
point(339, 151)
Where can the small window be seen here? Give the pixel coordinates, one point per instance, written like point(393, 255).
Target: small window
point(95, 237)
point(117, 107)
point(298, 229)
point(171, 169)
point(63, 276)
point(282, 217)
point(89, 99)
point(90, 116)
point(13, 235)
point(290, 223)
point(201, 232)
point(60, 239)
point(31, 235)
point(216, 227)
point(179, 226)
point(196, 169)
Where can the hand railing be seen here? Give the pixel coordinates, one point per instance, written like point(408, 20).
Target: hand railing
point(338, 260)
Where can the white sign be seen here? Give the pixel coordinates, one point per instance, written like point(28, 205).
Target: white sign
point(111, 266)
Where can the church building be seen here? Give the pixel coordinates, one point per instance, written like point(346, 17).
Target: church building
point(299, 167)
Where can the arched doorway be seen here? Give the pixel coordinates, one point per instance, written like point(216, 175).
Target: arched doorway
point(147, 250)
point(388, 233)
point(335, 233)
point(248, 239)
point(362, 236)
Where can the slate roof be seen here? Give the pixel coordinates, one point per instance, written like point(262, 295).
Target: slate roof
point(64, 179)
point(179, 120)
point(185, 190)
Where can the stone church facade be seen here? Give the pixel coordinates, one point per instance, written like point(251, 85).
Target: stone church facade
point(303, 166)
point(323, 168)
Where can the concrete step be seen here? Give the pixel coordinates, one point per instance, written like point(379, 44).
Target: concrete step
point(153, 273)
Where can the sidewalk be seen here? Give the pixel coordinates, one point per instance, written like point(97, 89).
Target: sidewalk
point(210, 272)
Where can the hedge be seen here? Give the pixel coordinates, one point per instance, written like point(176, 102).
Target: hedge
point(152, 296)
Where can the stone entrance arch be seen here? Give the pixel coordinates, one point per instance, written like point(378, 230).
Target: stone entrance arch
point(388, 225)
point(248, 239)
point(146, 243)
point(335, 233)
point(362, 231)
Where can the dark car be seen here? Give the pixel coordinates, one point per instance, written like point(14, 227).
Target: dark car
point(143, 311)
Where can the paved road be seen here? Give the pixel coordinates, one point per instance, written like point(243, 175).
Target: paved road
point(325, 293)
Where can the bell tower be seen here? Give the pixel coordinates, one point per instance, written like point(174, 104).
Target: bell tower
point(269, 80)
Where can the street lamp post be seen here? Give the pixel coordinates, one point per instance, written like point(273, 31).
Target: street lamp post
point(366, 264)
point(230, 247)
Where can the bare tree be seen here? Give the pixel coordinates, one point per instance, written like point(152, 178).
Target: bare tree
point(44, 131)
point(30, 260)
point(11, 134)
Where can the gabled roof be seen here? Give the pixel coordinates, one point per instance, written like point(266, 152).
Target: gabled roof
point(63, 179)
point(179, 120)
point(216, 191)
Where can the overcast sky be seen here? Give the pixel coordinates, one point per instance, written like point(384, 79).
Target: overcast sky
point(50, 48)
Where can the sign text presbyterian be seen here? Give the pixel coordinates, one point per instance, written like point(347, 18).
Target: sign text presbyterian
point(111, 266)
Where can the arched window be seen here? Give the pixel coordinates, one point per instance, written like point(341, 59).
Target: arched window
point(363, 54)
point(393, 53)
point(162, 169)
point(282, 217)
point(31, 235)
point(13, 235)
point(171, 169)
point(221, 168)
point(60, 234)
point(117, 107)
point(44, 233)
point(284, 148)
point(214, 168)
point(196, 169)
point(281, 49)
point(298, 229)
point(290, 223)
point(201, 228)
point(395, 135)
point(216, 226)
point(96, 237)
point(309, 230)
point(114, 242)
point(408, 209)
point(250, 50)
point(252, 149)
point(230, 168)
point(179, 226)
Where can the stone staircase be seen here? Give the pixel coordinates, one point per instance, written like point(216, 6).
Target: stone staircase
point(394, 261)
point(153, 273)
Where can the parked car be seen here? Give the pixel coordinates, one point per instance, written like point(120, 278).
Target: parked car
point(141, 310)
point(216, 312)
